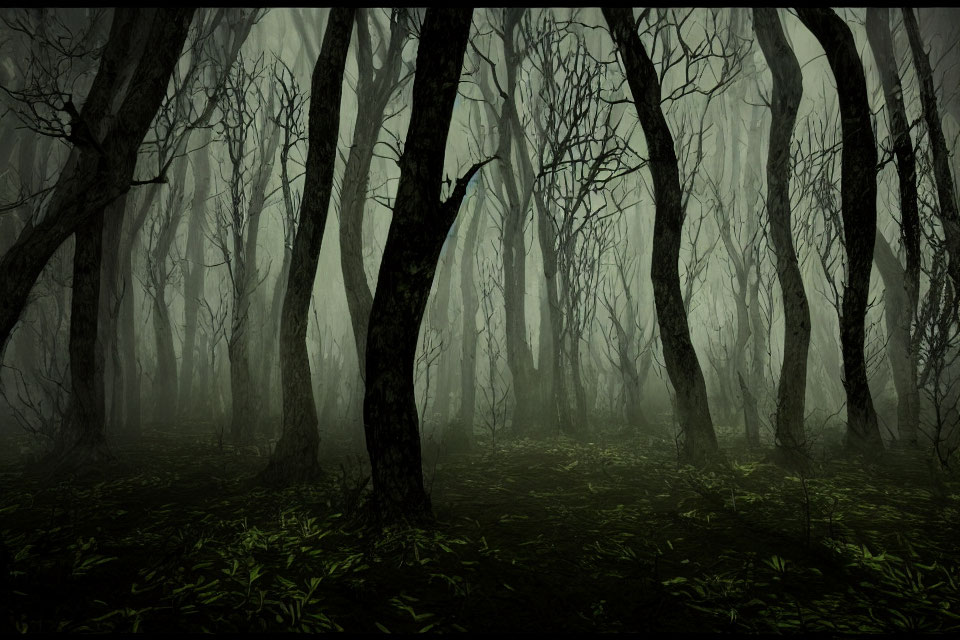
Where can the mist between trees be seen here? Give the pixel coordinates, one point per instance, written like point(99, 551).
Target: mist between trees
point(388, 227)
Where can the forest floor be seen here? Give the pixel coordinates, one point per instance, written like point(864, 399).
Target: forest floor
point(541, 536)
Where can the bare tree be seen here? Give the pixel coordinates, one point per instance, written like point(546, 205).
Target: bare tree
point(421, 222)
point(859, 211)
point(700, 441)
point(784, 104)
point(295, 457)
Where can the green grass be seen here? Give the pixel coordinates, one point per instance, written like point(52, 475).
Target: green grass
point(542, 536)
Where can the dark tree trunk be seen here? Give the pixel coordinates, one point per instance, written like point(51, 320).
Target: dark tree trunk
point(295, 458)
point(88, 183)
point(946, 189)
point(683, 367)
point(112, 290)
point(420, 224)
point(87, 443)
point(787, 91)
point(903, 285)
point(858, 183)
point(751, 418)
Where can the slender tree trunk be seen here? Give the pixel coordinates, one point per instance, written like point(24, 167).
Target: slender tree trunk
point(87, 183)
point(193, 273)
point(374, 89)
point(295, 458)
point(858, 183)
point(942, 173)
point(790, 440)
point(903, 285)
point(461, 435)
point(420, 225)
point(683, 367)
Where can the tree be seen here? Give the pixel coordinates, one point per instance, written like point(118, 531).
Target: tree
point(295, 457)
point(784, 103)
point(87, 184)
point(683, 367)
point(902, 283)
point(943, 175)
point(421, 222)
point(858, 178)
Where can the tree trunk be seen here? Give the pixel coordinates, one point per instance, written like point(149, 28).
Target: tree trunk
point(946, 189)
point(751, 418)
point(295, 458)
point(903, 285)
point(519, 353)
point(420, 225)
point(87, 184)
point(374, 89)
point(86, 444)
point(858, 184)
point(460, 435)
point(193, 273)
point(683, 367)
point(790, 440)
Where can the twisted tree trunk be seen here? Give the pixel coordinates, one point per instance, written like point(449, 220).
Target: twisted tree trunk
point(858, 183)
point(683, 367)
point(787, 90)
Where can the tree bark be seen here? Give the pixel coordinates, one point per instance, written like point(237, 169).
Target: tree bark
point(790, 440)
point(946, 189)
point(88, 183)
point(87, 442)
point(903, 285)
point(295, 458)
point(683, 367)
point(858, 184)
point(420, 225)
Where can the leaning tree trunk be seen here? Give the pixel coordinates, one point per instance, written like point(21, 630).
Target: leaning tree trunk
point(295, 458)
point(903, 285)
point(785, 101)
point(858, 184)
point(942, 173)
point(420, 224)
point(87, 183)
point(683, 367)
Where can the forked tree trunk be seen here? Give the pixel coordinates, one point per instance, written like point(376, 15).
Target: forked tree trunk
point(420, 224)
point(87, 183)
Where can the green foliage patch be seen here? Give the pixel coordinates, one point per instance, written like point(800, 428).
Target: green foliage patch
point(543, 535)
